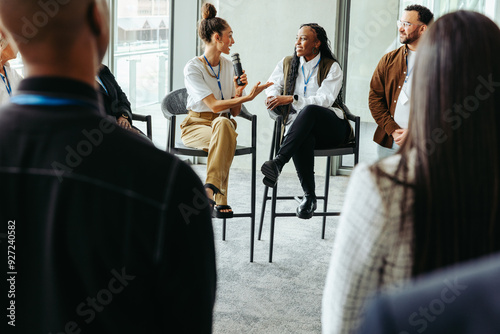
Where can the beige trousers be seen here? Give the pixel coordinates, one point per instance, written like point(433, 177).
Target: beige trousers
point(215, 134)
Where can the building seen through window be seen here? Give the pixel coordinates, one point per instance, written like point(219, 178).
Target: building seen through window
point(141, 49)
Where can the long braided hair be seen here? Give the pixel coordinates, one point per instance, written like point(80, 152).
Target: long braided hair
point(326, 52)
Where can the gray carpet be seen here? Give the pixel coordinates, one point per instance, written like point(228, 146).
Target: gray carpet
point(283, 296)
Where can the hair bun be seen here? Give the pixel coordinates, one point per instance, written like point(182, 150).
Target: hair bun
point(208, 11)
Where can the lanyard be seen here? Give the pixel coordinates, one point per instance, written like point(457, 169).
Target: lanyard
point(310, 75)
point(43, 100)
point(217, 76)
point(6, 82)
point(408, 72)
point(102, 84)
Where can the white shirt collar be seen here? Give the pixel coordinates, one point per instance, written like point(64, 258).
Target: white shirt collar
point(311, 63)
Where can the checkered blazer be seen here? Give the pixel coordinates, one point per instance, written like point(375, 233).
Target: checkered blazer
point(372, 248)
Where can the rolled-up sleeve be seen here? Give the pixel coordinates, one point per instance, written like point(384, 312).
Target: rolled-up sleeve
point(277, 78)
point(195, 84)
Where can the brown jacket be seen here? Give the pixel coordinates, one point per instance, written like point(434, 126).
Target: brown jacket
point(385, 86)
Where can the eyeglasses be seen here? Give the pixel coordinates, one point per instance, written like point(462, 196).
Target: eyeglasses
point(406, 24)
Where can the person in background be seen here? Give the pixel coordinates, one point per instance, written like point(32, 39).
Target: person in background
point(110, 234)
point(434, 203)
point(10, 77)
point(306, 91)
point(115, 101)
point(213, 97)
point(390, 86)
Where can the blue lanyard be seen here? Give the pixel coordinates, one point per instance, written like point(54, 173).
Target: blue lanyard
point(217, 76)
point(101, 83)
point(408, 72)
point(6, 82)
point(43, 100)
point(310, 75)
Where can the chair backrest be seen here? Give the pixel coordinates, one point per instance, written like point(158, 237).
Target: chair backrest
point(147, 119)
point(175, 102)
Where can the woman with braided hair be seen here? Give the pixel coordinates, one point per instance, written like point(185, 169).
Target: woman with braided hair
point(307, 89)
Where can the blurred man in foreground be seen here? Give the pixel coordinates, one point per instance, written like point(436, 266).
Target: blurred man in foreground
point(95, 248)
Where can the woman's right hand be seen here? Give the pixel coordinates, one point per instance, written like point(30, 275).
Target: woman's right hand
point(258, 88)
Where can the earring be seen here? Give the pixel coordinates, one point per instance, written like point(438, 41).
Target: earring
point(315, 51)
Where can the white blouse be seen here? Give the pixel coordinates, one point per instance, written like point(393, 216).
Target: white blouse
point(14, 80)
point(323, 96)
point(200, 83)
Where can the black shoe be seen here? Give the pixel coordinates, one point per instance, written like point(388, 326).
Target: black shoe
point(271, 170)
point(306, 208)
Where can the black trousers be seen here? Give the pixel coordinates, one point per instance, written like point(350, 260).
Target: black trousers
point(314, 128)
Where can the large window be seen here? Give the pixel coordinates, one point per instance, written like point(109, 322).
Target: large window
point(141, 49)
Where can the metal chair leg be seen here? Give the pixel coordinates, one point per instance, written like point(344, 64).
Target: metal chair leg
point(266, 188)
point(263, 210)
point(224, 229)
point(273, 218)
point(327, 188)
point(252, 219)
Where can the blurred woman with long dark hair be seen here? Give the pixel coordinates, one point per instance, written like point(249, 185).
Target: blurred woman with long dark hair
point(436, 202)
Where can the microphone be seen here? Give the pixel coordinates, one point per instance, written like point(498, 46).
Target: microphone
point(237, 67)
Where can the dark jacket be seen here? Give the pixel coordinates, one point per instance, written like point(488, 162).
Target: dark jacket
point(105, 242)
point(385, 86)
point(463, 300)
point(115, 101)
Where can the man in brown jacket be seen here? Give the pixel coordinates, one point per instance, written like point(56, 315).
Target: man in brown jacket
point(390, 86)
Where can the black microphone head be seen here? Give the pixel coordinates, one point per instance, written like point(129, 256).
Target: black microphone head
point(236, 57)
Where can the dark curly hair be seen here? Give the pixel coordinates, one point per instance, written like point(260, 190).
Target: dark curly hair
point(210, 23)
point(326, 52)
point(424, 14)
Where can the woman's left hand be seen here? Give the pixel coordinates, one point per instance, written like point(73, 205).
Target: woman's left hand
point(244, 80)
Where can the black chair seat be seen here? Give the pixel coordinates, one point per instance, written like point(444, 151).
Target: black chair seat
point(182, 149)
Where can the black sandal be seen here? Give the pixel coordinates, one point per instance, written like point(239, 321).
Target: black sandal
point(220, 214)
point(217, 213)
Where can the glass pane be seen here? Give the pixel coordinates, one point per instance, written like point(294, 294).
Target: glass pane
point(141, 49)
point(372, 33)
